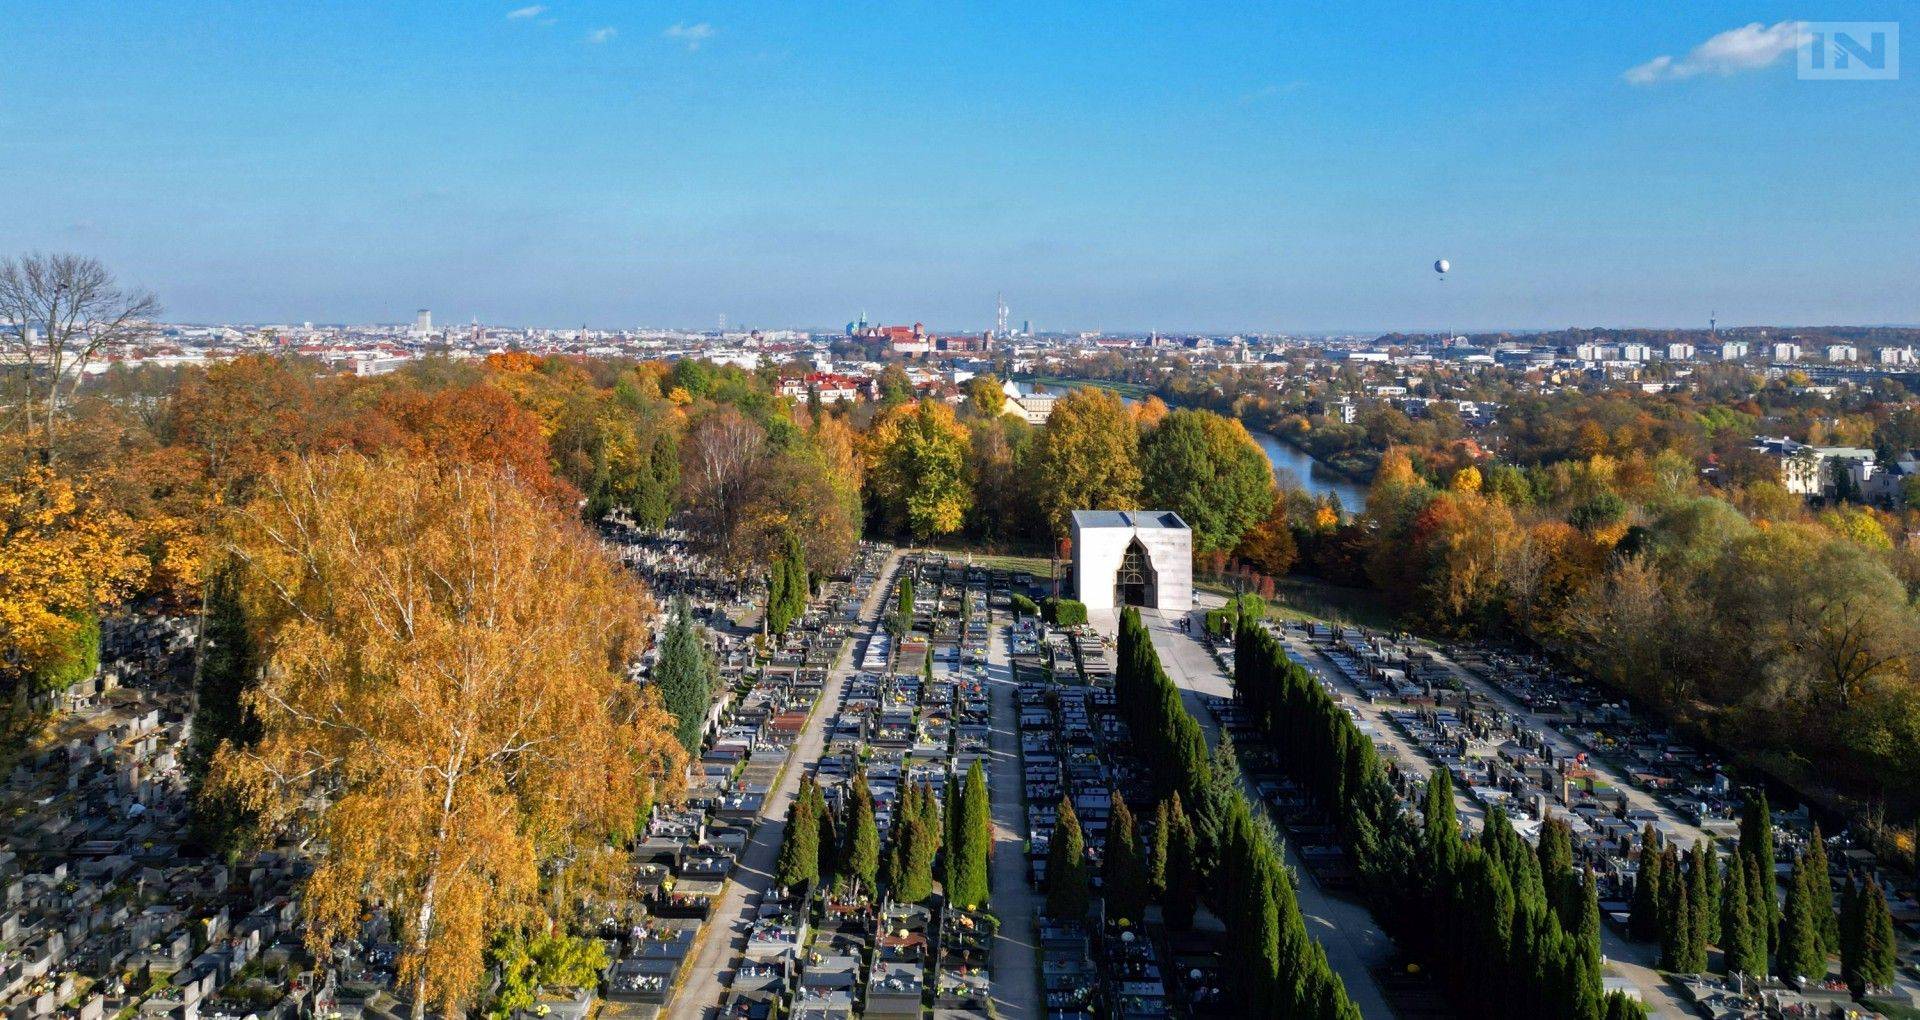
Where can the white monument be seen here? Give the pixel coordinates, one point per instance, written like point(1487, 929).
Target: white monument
point(1133, 558)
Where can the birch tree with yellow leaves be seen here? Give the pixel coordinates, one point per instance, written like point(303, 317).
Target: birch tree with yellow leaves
point(444, 706)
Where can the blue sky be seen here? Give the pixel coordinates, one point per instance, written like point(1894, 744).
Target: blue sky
point(1194, 166)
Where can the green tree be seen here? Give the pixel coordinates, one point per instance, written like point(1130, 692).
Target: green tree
point(799, 861)
point(918, 468)
point(973, 839)
point(976, 836)
point(914, 881)
point(229, 664)
point(1157, 853)
point(1879, 954)
point(1085, 458)
point(1182, 896)
point(787, 586)
point(860, 840)
point(1208, 469)
point(1067, 866)
point(986, 397)
point(1644, 920)
point(1676, 936)
point(1743, 945)
point(1852, 916)
point(895, 388)
point(827, 841)
point(1756, 841)
point(900, 624)
point(685, 675)
point(1705, 909)
point(1820, 889)
point(1799, 954)
point(1123, 878)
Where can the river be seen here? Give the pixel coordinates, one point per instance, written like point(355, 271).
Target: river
point(1311, 475)
point(1292, 463)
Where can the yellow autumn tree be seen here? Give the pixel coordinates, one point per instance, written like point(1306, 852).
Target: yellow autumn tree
point(1086, 458)
point(444, 706)
point(63, 556)
point(917, 458)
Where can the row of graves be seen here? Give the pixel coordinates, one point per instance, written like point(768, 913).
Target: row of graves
point(917, 712)
point(1694, 784)
point(674, 568)
point(1499, 757)
point(1074, 746)
point(689, 851)
point(107, 904)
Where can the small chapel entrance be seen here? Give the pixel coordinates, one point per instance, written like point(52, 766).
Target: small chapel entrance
point(1135, 584)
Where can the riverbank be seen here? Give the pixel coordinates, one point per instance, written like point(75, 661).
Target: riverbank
point(1316, 476)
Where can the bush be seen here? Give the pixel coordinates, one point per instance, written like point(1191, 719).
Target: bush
point(1065, 612)
point(1025, 606)
point(1219, 622)
point(75, 657)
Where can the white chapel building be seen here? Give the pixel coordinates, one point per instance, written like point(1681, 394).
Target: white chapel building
point(1138, 558)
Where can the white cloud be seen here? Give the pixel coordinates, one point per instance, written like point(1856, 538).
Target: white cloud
point(523, 13)
point(692, 35)
point(601, 35)
point(1747, 48)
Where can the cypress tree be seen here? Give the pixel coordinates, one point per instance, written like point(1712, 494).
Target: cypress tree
point(1157, 855)
point(1182, 885)
point(1706, 911)
point(1620, 1007)
point(1852, 918)
point(915, 875)
point(1585, 949)
point(799, 861)
point(684, 675)
point(1879, 954)
point(1562, 883)
point(1820, 887)
point(1799, 955)
point(1644, 922)
point(1067, 867)
point(1760, 893)
point(1123, 879)
point(1756, 840)
point(950, 839)
point(1713, 889)
point(1739, 940)
point(932, 819)
point(228, 667)
point(860, 840)
point(1676, 936)
point(827, 842)
point(973, 838)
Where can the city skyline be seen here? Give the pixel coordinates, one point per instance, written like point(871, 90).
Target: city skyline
point(1151, 169)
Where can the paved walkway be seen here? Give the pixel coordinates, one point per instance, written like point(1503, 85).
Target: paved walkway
point(1016, 951)
point(1353, 942)
point(724, 936)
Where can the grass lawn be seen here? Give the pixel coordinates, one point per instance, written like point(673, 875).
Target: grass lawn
point(1307, 598)
point(1035, 565)
point(1125, 389)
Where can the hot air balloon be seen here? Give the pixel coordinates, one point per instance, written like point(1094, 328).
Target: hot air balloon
point(1441, 266)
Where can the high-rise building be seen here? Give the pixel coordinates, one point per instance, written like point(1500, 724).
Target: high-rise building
point(423, 322)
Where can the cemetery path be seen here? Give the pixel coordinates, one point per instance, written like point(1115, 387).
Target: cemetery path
point(1354, 943)
point(1635, 962)
point(1016, 950)
point(723, 939)
point(1672, 825)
